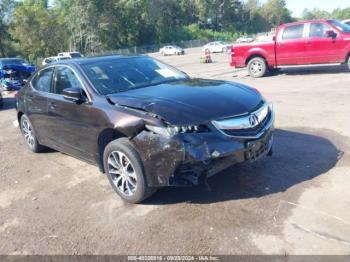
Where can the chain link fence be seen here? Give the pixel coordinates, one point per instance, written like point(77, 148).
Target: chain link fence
point(151, 48)
point(260, 37)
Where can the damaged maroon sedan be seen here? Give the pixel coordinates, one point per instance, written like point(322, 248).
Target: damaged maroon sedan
point(144, 123)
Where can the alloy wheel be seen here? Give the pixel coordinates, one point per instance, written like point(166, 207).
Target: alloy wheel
point(28, 133)
point(122, 173)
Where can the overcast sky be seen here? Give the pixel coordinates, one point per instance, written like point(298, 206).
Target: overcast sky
point(297, 6)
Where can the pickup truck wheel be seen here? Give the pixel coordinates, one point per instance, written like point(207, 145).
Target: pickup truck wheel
point(257, 67)
point(125, 173)
point(348, 63)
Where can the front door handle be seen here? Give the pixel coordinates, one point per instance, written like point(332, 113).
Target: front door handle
point(52, 106)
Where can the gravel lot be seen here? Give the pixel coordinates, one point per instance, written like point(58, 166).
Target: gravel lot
point(295, 202)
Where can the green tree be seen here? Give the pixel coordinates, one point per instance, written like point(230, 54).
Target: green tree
point(315, 14)
point(37, 29)
point(276, 13)
point(6, 9)
point(254, 22)
point(341, 14)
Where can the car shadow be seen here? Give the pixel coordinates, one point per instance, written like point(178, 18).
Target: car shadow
point(312, 70)
point(297, 157)
point(8, 103)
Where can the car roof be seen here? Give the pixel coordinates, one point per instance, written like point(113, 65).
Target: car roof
point(306, 21)
point(71, 52)
point(9, 58)
point(88, 60)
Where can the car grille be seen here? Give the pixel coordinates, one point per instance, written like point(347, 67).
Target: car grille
point(241, 127)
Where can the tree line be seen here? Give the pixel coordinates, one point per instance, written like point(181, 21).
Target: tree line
point(40, 28)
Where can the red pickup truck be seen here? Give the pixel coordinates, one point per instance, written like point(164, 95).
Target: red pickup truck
point(300, 43)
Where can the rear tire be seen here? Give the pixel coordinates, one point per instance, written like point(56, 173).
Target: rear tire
point(348, 63)
point(257, 67)
point(30, 135)
point(125, 172)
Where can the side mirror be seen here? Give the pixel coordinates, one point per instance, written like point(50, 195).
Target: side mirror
point(73, 94)
point(331, 33)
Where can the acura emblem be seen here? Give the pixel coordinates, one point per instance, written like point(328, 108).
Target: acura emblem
point(253, 120)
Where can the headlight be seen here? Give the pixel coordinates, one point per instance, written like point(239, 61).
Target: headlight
point(170, 131)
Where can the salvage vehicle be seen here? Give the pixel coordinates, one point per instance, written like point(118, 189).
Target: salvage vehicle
point(144, 123)
point(74, 54)
point(316, 42)
point(171, 50)
point(14, 72)
point(53, 59)
point(245, 39)
point(216, 47)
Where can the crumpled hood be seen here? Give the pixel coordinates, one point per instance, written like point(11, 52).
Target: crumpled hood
point(22, 68)
point(193, 101)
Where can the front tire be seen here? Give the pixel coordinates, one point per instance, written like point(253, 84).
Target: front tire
point(125, 172)
point(30, 135)
point(257, 67)
point(348, 63)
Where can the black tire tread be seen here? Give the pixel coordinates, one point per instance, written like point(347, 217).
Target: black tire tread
point(37, 147)
point(127, 147)
point(263, 61)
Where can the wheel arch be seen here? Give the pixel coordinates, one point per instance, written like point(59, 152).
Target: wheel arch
point(19, 115)
point(250, 57)
point(347, 57)
point(104, 138)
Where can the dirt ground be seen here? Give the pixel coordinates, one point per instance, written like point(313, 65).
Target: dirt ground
point(295, 202)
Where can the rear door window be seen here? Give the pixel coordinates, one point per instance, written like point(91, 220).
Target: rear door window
point(293, 32)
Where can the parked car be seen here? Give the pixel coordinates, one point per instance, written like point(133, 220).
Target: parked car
point(245, 39)
point(143, 123)
point(301, 43)
point(14, 72)
point(217, 47)
point(70, 54)
point(171, 50)
point(347, 22)
point(52, 59)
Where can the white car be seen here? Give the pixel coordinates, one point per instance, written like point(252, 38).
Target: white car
point(245, 39)
point(216, 47)
point(171, 50)
point(70, 54)
point(52, 59)
point(347, 22)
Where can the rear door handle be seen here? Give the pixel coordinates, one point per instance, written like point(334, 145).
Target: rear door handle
point(52, 106)
point(30, 98)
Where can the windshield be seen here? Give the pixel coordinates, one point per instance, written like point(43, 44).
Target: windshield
point(63, 58)
point(123, 74)
point(341, 26)
point(75, 55)
point(13, 62)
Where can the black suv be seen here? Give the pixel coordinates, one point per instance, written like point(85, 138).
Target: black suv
point(144, 123)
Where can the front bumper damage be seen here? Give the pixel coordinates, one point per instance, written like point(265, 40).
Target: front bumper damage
point(189, 158)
